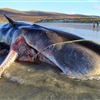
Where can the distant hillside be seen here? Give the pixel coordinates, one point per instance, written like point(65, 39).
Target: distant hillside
point(33, 16)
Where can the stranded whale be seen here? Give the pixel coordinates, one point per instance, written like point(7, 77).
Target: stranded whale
point(72, 54)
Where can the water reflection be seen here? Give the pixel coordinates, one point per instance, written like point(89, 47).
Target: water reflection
point(27, 81)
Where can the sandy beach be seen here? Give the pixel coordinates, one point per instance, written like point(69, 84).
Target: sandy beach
point(84, 30)
point(86, 26)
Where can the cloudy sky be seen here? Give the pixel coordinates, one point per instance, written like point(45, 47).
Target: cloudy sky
point(86, 7)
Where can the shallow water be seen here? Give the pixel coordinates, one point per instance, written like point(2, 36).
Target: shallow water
point(27, 81)
point(40, 81)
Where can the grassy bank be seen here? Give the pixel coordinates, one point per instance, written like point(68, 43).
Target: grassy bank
point(74, 20)
point(51, 19)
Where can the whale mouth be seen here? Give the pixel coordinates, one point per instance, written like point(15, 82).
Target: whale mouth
point(25, 52)
point(19, 50)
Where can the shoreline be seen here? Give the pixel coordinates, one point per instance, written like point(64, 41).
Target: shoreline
point(83, 30)
point(86, 26)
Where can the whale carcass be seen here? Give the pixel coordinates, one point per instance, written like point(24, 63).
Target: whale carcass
point(72, 54)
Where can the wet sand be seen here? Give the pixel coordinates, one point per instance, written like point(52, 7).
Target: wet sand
point(84, 30)
point(27, 81)
point(86, 26)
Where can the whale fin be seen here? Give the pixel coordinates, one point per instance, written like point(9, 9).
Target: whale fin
point(12, 21)
point(9, 59)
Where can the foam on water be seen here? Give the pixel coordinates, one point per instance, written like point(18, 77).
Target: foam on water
point(43, 82)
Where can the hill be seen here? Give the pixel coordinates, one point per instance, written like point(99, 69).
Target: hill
point(33, 16)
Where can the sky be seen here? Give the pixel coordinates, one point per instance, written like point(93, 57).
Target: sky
point(85, 7)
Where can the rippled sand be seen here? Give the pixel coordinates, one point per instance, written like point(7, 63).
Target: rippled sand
point(40, 81)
